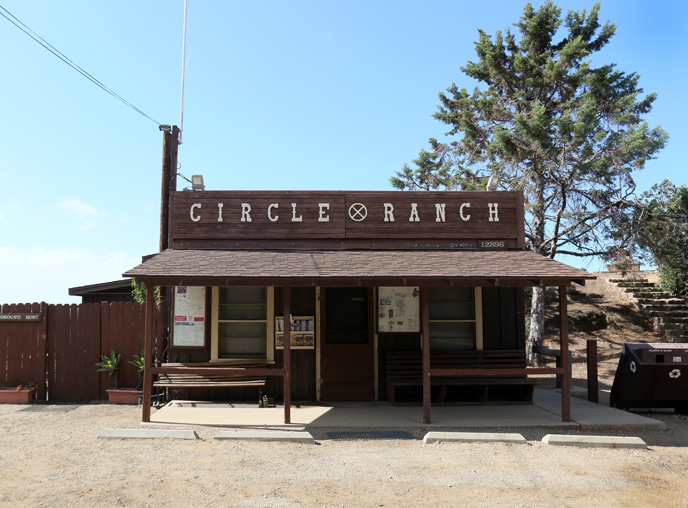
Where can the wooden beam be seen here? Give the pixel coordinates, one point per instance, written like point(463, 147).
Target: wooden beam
point(286, 312)
point(564, 347)
point(149, 338)
point(425, 333)
point(219, 370)
point(494, 372)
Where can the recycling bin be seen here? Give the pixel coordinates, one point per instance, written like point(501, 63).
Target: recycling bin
point(652, 376)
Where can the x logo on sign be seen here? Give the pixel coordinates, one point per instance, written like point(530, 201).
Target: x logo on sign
point(358, 212)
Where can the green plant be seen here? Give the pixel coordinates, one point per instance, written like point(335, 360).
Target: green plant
point(138, 291)
point(110, 365)
point(139, 363)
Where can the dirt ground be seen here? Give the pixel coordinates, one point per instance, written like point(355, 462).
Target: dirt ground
point(50, 457)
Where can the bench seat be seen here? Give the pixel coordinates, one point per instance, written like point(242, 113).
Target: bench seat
point(405, 369)
point(194, 380)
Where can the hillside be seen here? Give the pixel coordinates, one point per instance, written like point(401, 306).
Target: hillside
point(597, 311)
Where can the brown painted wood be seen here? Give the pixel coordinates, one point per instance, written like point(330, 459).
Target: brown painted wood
point(425, 333)
point(347, 369)
point(261, 232)
point(286, 313)
point(593, 381)
point(564, 347)
point(151, 315)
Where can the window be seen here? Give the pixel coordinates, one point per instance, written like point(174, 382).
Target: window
point(455, 319)
point(242, 323)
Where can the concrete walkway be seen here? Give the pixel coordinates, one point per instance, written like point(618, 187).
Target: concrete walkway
point(544, 412)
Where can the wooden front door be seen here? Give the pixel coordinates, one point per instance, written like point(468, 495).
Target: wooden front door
point(347, 360)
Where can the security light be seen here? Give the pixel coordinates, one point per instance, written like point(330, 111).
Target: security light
point(197, 182)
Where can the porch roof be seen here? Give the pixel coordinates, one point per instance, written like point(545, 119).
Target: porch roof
point(355, 267)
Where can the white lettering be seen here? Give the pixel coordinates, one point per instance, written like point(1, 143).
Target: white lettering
point(414, 213)
point(270, 217)
point(322, 209)
point(245, 212)
point(441, 215)
point(194, 218)
point(464, 217)
point(494, 213)
point(389, 212)
point(219, 211)
point(294, 218)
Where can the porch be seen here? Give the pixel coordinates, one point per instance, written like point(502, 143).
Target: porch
point(545, 412)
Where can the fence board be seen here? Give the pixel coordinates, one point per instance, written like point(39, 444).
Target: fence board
point(60, 352)
point(22, 348)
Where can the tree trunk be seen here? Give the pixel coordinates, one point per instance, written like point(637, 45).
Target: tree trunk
point(537, 324)
point(537, 307)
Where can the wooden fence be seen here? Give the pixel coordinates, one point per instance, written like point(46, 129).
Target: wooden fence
point(59, 352)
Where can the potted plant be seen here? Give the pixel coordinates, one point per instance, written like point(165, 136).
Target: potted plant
point(119, 395)
point(21, 394)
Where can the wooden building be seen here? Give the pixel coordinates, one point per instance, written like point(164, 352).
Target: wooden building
point(400, 296)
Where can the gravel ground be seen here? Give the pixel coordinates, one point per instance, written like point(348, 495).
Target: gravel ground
point(50, 457)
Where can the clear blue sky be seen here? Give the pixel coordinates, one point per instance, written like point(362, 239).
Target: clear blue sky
point(279, 95)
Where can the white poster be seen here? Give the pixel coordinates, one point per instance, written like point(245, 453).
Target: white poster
point(398, 309)
point(189, 316)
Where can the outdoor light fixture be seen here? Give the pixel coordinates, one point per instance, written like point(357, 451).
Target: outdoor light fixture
point(197, 182)
point(493, 182)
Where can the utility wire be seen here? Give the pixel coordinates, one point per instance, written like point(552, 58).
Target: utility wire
point(21, 26)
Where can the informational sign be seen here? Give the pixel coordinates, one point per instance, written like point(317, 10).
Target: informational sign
point(22, 316)
point(398, 309)
point(189, 317)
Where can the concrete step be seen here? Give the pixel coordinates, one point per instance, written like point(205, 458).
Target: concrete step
point(648, 294)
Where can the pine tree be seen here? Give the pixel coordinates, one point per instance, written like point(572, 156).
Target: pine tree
point(548, 122)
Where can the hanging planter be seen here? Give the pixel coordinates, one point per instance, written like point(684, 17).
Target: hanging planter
point(17, 395)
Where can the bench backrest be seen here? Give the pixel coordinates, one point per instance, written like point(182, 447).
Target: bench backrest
point(409, 364)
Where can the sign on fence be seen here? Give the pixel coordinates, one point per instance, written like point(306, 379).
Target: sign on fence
point(22, 316)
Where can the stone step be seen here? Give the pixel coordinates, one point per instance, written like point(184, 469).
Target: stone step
point(656, 301)
point(668, 307)
point(675, 315)
point(635, 284)
point(648, 294)
point(675, 329)
point(616, 280)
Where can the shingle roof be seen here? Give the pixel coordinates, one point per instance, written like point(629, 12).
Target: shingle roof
point(506, 266)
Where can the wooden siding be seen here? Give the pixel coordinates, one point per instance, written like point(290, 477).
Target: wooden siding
point(341, 230)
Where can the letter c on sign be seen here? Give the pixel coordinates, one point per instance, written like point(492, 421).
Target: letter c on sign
point(194, 218)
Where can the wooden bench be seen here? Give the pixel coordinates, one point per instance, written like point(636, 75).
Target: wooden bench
point(405, 369)
point(206, 380)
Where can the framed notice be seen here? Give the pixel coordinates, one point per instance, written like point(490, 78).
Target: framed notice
point(189, 317)
point(398, 309)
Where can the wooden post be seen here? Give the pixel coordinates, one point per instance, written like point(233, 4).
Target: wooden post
point(564, 341)
point(170, 146)
point(425, 333)
point(148, 353)
point(593, 383)
point(286, 313)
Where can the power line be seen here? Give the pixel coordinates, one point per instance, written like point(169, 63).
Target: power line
point(21, 26)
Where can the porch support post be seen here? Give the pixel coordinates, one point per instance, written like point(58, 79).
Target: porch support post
point(148, 352)
point(564, 346)
point(286, 312)
point(425, 331)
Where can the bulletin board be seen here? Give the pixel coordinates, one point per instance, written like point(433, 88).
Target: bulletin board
point(189, 317)
point(398, 309)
